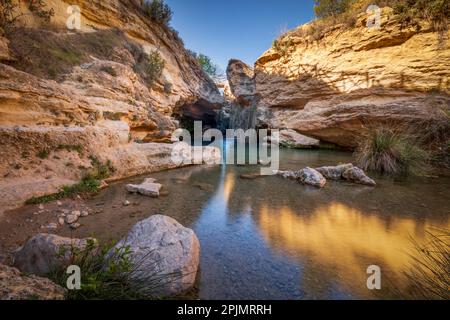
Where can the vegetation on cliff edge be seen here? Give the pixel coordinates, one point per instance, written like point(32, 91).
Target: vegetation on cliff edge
point(90, 183)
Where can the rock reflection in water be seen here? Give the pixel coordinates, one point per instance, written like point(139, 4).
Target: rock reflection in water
point(344, 240)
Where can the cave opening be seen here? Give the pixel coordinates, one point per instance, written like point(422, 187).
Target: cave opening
point(201, 110)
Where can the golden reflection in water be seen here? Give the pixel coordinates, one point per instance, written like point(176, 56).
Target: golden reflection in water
point(228, 186)
point(343, 239)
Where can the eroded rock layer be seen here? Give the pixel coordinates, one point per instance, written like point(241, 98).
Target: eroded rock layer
point(334, 87)
point(69, 96)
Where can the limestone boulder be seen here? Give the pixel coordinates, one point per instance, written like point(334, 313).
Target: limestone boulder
point(358, 175)
point(148, 188)
point(334, 172)
point(45, 253)
point(164, 255)
point(311, 177)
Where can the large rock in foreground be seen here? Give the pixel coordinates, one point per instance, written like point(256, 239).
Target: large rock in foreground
point(45, 253)
point(15, 286)
point(164, 254)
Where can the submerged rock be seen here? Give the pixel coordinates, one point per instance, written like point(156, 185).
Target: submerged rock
point(16, 286)
point(357, 175)
point(250, 176)
point(147, 188)
point(46, 252)
point(164, 254)
point(311, 177)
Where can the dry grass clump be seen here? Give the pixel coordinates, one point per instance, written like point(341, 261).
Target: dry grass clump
point(414, 147)
point(391, 150)
point(430, 275)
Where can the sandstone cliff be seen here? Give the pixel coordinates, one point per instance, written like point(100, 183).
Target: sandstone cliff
point(67, 96)
point(331, 87)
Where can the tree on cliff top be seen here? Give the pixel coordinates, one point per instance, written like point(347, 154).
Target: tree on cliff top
point(158, 11)
point(326, 8)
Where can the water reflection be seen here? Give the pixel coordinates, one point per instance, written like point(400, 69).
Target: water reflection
point(274, 239)
point(271, 238)
point(345, 240)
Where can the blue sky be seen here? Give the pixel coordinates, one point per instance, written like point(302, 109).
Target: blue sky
point(242, 29)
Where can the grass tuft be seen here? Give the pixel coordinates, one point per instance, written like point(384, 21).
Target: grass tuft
point(430, 278)
point(89, 184)
point(391, 151)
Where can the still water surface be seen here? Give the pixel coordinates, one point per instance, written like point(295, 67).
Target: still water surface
point(271, 238)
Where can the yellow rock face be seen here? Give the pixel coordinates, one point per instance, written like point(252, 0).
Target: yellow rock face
point(331, 88)
point(98, 105)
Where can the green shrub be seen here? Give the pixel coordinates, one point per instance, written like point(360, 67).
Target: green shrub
point(43, 154)
point(158, 11)
point(106, 274)
point(149, 66)
point(101, 170)
point(282, 46)
point(205, 63)
point(411, 12)
point(89, 184)
point(391, 151)
point(101, 278)
point(326, 8)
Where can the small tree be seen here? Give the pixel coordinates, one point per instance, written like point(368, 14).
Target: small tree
point(150, 67)
point(326, 8)
point(158, 11)
point(206, 63)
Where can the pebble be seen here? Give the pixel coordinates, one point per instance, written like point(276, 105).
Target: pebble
point(76, 213)
point(75, 225)
point(61, 221)
point(59, 203)
point(41, 207)
point(84, 213)
point(98, 211)
point(50, 226)
point(71, 218)
point(126, 203)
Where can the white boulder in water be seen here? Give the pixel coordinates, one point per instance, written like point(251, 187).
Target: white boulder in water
point(148, 188)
